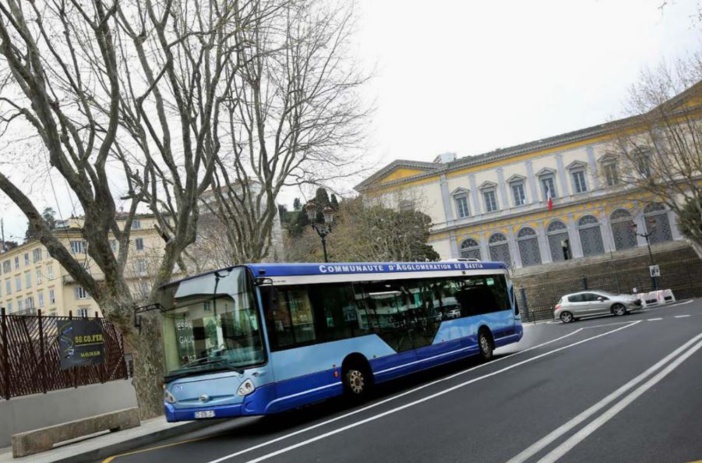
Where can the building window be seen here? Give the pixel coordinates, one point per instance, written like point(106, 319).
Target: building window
point(81, 293)
point(26, 259)
point(462, 206)
point(611, 174)
point(114, 245)
point(579, 184)
point(20, 305)
point(36, 254)
point(82, 312)
point(518, 194)
point(28, 280)
point(141, 267)
point(7, 266)
point(52, 296)
point(29, 303)
point(39, 277)
point(642, 163)
point(490, 200)
point(9, 306)
point(470, 249)
point(18, 283)
point(78, 247)
point(17, 265)
point(139, 243)
point(136, 224)
point(8, 287)
point(406, 206)
point(548, 186)
point(41, 299)
point(50, 272)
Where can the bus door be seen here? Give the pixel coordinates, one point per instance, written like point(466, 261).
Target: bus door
point(387, 315)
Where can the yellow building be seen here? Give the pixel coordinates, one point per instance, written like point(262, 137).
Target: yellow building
point(495, 206)
point(31, 280)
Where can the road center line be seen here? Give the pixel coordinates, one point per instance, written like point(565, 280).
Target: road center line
point(548, 439)
point(682, 316)
point(654, 319)
point(595, 424)
point(402, 407)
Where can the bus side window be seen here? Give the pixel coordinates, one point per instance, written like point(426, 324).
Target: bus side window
point(277, 319)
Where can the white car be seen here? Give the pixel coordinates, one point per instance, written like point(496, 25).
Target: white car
point(589, 303)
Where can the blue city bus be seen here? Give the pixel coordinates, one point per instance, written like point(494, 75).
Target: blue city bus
point(258, 339)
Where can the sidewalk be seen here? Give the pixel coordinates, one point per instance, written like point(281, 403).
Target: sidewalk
point(103, 445)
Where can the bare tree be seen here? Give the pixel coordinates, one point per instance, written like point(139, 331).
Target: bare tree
point(293, 115)
point(366, 231)
point(659, 148)
point(142, 83)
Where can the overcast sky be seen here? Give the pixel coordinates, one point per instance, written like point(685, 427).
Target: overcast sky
point(469, 77)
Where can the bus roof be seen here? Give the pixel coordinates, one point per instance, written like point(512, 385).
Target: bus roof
point(271, 270)
point(262, 270)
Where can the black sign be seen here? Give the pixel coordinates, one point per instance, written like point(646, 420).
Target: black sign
point(81, 343)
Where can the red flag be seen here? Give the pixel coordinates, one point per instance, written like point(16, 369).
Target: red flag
point(549, 201)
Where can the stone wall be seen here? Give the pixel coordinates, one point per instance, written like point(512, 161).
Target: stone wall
point(619, 272)
point(55, 407)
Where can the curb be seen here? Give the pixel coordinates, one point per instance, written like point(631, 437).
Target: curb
point(94, 455)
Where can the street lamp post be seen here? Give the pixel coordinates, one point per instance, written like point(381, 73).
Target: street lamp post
point(646, 235)
point(322, 229)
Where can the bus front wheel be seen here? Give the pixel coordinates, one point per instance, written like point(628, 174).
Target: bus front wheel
point(485, 345)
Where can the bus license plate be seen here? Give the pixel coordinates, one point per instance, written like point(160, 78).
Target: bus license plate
point(205, 414)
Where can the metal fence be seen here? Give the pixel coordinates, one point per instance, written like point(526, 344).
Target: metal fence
point(30, 361)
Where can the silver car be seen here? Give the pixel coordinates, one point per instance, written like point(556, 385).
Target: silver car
point(587, 303)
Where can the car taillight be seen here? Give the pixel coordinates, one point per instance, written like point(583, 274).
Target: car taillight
point(558, 306)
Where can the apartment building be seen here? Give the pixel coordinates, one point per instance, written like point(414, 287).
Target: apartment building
point(31, 280)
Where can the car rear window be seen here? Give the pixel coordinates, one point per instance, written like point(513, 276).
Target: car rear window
point(575, 298)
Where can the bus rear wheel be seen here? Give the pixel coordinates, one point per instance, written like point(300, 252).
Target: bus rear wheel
point(485, 345)
point(358, 382)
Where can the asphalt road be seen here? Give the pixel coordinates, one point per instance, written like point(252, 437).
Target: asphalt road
point(610, 389)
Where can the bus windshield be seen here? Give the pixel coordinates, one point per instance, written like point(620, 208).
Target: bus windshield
point(211, 324)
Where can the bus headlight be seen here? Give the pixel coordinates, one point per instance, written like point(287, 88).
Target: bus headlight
point(246, 388)
point(168, 397)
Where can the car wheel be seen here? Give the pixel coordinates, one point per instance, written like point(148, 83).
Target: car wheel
point(485, 345)
point(618, 310)
point(567, 317)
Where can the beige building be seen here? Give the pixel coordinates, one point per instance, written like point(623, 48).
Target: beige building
point(31, 280)
point(541, 202)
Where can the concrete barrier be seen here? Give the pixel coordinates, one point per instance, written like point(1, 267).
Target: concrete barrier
point(654, 298)
point(43, 439)
point(27, 413)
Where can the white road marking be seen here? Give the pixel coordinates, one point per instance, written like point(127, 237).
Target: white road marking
point(408, 405)
point(567, 427)
point(377, 404)
point(654, 319)
point(595, 424)
point(604, 325)
point(682, 316)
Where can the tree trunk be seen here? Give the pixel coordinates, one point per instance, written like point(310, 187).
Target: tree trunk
point(146, 347)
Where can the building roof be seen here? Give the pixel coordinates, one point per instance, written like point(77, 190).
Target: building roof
point(431, 169)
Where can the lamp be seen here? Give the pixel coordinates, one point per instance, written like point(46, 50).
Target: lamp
point(322, 229)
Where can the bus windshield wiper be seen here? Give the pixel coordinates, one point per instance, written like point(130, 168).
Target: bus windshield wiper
point(199, 367)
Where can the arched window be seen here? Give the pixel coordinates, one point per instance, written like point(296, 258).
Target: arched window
point(590, 236)
point(557, 233)
point(499, 249)
point(528, 244)
point(470, 248)
point(657, 223)
point(622, 231)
